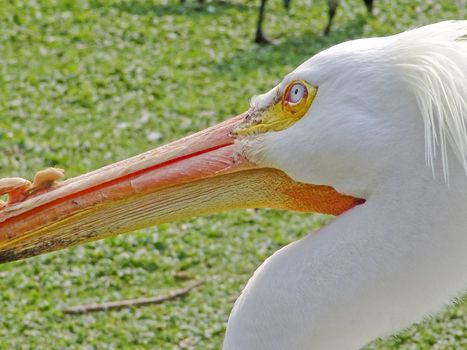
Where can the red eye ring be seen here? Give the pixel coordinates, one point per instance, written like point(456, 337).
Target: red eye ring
point(296, 92)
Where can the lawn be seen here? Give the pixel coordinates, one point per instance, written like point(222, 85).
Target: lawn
point(86, 83)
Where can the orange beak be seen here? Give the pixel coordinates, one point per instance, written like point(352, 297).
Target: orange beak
point(197, 175)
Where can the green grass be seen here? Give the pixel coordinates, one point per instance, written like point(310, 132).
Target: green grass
point(91, 82)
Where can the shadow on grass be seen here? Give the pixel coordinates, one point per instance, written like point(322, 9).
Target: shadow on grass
point(293, 51)
point(190, 8)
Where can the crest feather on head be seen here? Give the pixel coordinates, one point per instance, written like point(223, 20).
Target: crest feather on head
point(433, 61)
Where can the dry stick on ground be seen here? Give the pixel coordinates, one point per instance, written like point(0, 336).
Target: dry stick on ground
point(81, 309)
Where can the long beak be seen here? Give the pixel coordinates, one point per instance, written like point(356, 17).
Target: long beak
point(197, 175)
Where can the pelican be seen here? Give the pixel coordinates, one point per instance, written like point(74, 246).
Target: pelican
point(371, 130)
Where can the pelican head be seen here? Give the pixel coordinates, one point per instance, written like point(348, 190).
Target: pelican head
point(372, 131)
point(380, 105)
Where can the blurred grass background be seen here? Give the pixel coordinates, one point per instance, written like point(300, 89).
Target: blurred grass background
point(86, 83)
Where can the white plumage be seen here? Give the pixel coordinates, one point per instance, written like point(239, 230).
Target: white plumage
point(388, 124)
point(433, 62)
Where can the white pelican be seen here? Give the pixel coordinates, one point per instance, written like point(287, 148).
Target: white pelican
point(371, 129)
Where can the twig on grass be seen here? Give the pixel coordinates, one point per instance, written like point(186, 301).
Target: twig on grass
point(111, 305)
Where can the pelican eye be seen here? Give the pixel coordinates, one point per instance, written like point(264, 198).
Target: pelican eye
point(287, 107)
point(296, 93)
point(297, 98)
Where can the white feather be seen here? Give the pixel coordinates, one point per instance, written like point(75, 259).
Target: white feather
point(385, 108)
point(433, 60)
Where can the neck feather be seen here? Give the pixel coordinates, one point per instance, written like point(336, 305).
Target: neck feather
point(371, 272)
